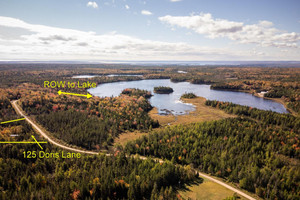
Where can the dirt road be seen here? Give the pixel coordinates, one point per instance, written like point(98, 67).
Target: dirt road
point(40, 131)
point(241, 193)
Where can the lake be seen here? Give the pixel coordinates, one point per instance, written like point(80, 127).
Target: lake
point(166, 103)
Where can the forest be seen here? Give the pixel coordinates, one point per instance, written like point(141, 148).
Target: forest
point(189, 95)
point(279, 81)
point(255, 150)
point(90, 177)
point(283, 120)
point(91, 124)
point(258, 150)
point(288, 92)
point(137, 92)
point(163, 90)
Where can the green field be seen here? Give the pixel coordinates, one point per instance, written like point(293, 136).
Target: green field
point(207, 190)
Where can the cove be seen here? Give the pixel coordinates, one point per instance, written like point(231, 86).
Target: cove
point(166, 103)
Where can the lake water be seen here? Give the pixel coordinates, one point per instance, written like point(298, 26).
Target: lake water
point(171, 102)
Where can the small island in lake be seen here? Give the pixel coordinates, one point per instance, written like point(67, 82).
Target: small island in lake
point(163, 90)
point(189, 95)
point(137, 92)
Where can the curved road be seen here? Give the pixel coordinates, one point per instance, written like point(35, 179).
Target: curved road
point(40, 131)
point(211, 179)
point(225, 185)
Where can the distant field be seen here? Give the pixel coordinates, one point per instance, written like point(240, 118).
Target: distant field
point(207, 190)
point(128, 136)
point(202, 113)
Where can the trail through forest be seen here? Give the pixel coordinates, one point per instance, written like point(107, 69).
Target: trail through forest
point(41, 132)
point(44, 134)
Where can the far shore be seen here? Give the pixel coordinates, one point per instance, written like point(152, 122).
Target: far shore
point(278, 100)
point(200, 114)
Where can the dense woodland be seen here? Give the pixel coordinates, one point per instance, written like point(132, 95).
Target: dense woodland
point(92, 124)
point(137, 92)
point(258, 150)
point(281, 80)
point(288, 92)
point(163, 90)
point(268, 117)
point(20, 129)
point(88, 177)
point(189, 95)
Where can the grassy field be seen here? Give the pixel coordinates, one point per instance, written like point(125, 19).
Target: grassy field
point(207, 190)
point(128, 136)
point(202, 113)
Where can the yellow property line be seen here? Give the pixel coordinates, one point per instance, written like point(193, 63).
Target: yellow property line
point(82, 95)
point(12, 121)
point(17, 142)
point(37, 142)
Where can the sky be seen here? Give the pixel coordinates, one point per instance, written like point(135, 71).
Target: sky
point(149, 30)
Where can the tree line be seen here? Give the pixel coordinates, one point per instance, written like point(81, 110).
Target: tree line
point(258, 150)
point(88, 177)
point(92, 124)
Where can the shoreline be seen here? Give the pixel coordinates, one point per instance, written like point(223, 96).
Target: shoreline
point(200, 114)
point(278, 100)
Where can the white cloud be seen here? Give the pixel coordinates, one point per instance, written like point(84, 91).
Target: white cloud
point(262, 33)
point(203, 24)
point(127, 7)
point(39, 42)
point(175, 0)
point(92, 4)
point(44, 42)
point(146, 12)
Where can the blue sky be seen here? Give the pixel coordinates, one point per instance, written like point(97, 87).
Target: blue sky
point(149, 30)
